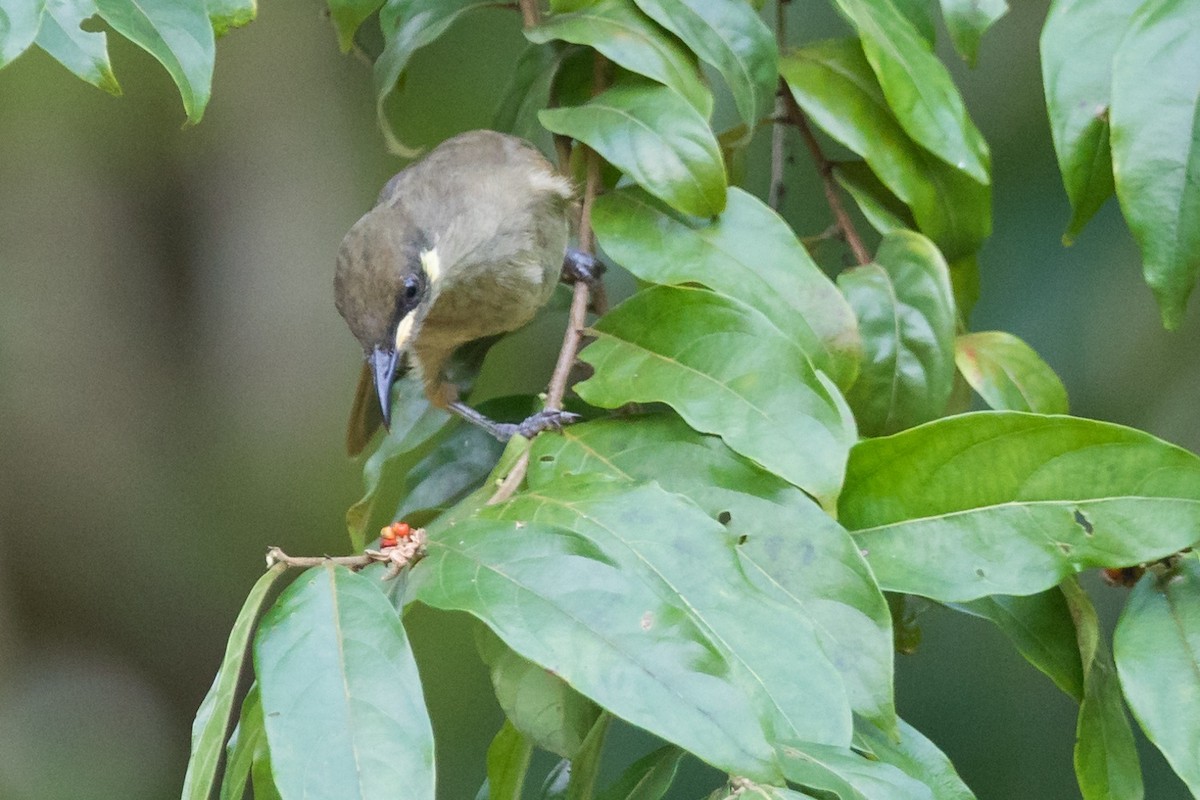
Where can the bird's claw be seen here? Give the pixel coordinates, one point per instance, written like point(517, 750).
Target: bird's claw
point(550, 419)
point(580, 266)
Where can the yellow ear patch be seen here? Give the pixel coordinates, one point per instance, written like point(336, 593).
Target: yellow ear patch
point(403, 331)
point(432, 264)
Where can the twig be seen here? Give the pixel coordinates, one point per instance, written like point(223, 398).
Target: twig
point(778, 141)
point(825, 168)
point(530, 13)
point(577, 318)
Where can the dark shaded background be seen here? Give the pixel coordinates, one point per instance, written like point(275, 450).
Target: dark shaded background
point(174, 381)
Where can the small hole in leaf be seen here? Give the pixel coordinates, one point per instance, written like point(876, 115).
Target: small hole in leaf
point(1066, 548)
point(546, 459)
point(743, 539)
point(979, 572)
point(1084, 523)
point(724, 517)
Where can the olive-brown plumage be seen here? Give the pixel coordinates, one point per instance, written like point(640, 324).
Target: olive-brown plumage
point(468, 242)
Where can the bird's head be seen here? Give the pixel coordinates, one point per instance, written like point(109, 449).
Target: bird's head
point(387, 270)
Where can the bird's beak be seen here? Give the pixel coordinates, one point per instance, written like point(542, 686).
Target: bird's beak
point(383, 366)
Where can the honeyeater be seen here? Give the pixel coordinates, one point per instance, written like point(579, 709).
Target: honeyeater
point(466, 243)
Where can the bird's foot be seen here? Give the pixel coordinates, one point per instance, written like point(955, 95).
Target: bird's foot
point(551, 419)
point(580, 266)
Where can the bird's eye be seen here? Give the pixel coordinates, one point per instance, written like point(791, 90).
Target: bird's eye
point(412, 286)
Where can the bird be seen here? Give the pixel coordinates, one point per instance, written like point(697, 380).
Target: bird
point(468, 242)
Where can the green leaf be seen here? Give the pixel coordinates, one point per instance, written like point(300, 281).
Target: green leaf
point(262, 779)
point(726, 370)
point(920, 14)
point(347, 16)
point(543, 708)
point(414, 423)
point(1156, 147)
point(557, 600)
point(216, 710)
point(243, 743)
point(341, 697)
point(226, 15)
point(19, 24)
point(917, 757)
point(508, 759)
point(528, 91)
point(729, 35)
point(648, 778)
point(1041, 627)
point(1008, 374)
point(788, 548)
point(455, 467)
point(905, 310)
point(917, 87)
point(968, 20)
point(631, 39)
point(179, 34)
point(84, 53)
point(879, 205)
point(849, 775)
point(833, 83)
point(653, 135)
point(1106, 759)
point(1012, 503)
point(1078, 93)
point(1157, 649)
point(690, 560)
point(748, 253)
point(407, 26)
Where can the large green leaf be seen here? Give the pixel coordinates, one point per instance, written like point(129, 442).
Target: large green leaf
point(543, 708)
point(883, 209)
point(1106, 759)
point(341, 696)
point(1011, 503)
point(559, 601)
point(1041, 628)
point(849, 775)
point(648, 778)
point(243, 743)
point(407, 26)
point(905, 310)
point(1156, 145)
point(748, 253)
point(1157, 649)
point(917, 86)
point(179, 34)
point(216, 710)
point(916, 757)
point(728, 371)
point(19, 24)
point(652, 134)
point(85, 53)
point(630, 38)
point(1078, 92)
point(835, 86)
point(1009, 374)
point(788, 548)
point(690, 561)
point(507, 763)
point(968, 20)
point(347, 16)
point(729, 35)
point(528, 92)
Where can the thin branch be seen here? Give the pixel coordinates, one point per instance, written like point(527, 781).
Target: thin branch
point(581, 294)
point(778, 141)
point(825, 168)
point(530, 13)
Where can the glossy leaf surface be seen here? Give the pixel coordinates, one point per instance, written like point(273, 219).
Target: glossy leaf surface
point(917, 757)
point(85, 53)
point(883, 210)
point(653, 135)
point(216, 711)
point(1011, 503)
point(788, 548)
point(19, 22)
point(628, 37)
point(834, 84)
point(1156, 147)
point(507, 763)
point(1008, 374)
point(243, 743)
point(729, 35)
point(968, 20)
point(748, 253)
point(338, 680)
point(179, 34)
point(1157, 650)
point(905, 310)
point(918, 87)
point(648, 778)
point(728, 371)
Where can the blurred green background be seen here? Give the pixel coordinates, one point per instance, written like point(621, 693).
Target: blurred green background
point(174, 382)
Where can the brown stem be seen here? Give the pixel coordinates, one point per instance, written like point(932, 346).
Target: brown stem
point(777, 187)
point(530, 13)
point(825, 168)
